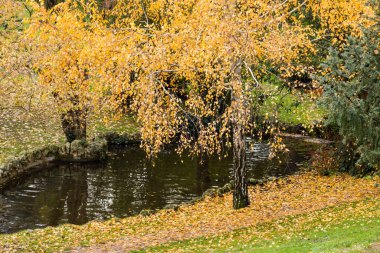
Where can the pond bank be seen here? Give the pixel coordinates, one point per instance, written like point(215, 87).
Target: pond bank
point(344, 197)
point(77, 151)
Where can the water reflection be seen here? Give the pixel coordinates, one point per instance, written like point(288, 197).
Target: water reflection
point(126, 184)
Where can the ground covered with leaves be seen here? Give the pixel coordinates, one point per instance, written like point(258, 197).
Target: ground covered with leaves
point(354, 227)
point(284, 208)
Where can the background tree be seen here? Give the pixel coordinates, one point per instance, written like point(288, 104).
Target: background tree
point(26, 110)
point(17, 81)
point(331, 22)
point(70, 48)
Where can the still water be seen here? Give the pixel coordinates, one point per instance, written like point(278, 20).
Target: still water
point(127, 183)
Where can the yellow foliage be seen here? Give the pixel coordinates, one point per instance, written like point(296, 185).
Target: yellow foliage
point(340, 18)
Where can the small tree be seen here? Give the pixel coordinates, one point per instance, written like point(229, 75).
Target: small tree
point(70, 54)
point(352, 95)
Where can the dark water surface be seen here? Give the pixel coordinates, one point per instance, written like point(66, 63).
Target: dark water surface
point(126, 184)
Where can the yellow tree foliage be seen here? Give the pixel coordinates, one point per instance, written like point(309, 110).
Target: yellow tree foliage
point(74, 53)
point(340, 18)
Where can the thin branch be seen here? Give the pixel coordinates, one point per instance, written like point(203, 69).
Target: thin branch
point(16, 107)
point(29, 10)
point(252, 75)
point(275, 8)
point(289, 13)
point(145, 14)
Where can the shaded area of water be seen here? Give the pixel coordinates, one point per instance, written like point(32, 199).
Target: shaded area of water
point(126, 184)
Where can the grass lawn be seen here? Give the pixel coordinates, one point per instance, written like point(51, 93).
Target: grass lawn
point(348, 236)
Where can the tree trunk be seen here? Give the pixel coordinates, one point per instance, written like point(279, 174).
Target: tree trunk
point(51, 3)
point(240, 195)
point(74, 124)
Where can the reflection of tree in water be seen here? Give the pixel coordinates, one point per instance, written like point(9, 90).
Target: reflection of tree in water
point(150, 184)
point(131, 184)
point(203, 174)
point(77, 196)
point(284, 163)
point(146, 184)
point(66, 197)
point(127, 186)
point(128, 183)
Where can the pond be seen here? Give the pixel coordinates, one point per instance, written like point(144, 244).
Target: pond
point(127, 183)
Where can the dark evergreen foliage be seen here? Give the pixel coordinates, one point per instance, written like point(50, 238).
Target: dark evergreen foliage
point(352, 96)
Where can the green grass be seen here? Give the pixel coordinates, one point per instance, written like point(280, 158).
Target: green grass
point(122, 125)
point(33, 131)
point(291, 108)
point(348, 236)
point(25, 132)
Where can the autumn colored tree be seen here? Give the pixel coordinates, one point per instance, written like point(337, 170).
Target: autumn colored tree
point(74, 47)
point(210, 55)
point(70, 51)
point(331, 22)
point(214, 53)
